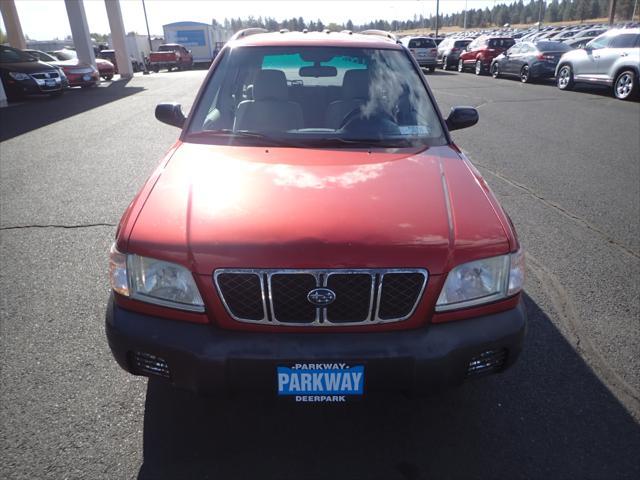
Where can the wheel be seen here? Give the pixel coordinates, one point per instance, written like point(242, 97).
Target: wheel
point(479, 69)
point(626, 85)
point(565, 78)
point(432, 69)
point(460, 66)
point(445, 65)
point(107, 77)
point(156, 69)
point(495, 70)
point(525, 74)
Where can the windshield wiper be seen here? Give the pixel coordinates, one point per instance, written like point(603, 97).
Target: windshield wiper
point(363, 142)
point(227, 132)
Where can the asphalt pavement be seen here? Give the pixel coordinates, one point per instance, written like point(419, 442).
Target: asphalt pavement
point(566, 167)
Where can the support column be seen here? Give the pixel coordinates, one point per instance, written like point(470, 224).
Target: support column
point(117, 37)
point(3, 96)
point(12, 24)
point(80, 31)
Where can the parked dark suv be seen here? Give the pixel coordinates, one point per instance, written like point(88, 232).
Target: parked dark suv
point(449, 52)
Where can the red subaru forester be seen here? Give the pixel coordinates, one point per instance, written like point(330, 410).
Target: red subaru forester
point(315, 232)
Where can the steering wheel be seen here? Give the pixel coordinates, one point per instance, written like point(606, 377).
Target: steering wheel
point(355, 114)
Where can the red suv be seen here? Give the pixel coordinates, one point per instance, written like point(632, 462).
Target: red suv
point(481, 51)
point(315, 232)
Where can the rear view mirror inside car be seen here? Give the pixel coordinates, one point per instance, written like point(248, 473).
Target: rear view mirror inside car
point(318, 71)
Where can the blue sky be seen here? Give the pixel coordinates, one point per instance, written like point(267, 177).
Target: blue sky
point(54, 23)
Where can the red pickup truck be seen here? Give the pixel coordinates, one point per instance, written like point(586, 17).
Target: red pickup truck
point(315, 233)
point(170, 56)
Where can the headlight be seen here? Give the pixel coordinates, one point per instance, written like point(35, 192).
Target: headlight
point(482, 281)
point(154, 281)
point(18, 76)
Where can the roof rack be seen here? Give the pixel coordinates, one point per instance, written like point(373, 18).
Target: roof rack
point(379, 33)
point(246, 32)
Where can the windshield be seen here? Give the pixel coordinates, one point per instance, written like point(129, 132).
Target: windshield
point(12, 55)
point(65, 55)
point(168, 48)
point(306, 96)
point(44, 57)
point(421, 43)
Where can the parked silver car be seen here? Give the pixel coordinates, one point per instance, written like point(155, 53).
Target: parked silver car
point(611, 59)
point(424, 49)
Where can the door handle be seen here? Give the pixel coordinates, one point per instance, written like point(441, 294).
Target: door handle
point(625, 54)
point(596, 56)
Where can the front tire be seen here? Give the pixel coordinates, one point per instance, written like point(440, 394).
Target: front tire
point(565, 78)
point(495, 70)
point(432, 69)
point(479, 69)
point(525, 74)
point(626, 85)
point(460, 66)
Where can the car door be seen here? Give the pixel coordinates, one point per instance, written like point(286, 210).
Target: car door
point(586, 66)
point(620, 46)
point(518, 60)
point(506, 66)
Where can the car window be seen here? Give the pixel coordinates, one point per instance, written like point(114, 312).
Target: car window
point(600, 42)
point(64, 54)
point(304, 95)
point(515, 49)
point(12, 55)
point(461, 43)
point(421, 43)
point(624, 40)
point(501, 42)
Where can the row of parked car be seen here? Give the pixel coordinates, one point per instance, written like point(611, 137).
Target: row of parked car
point(610, 58)
point(26, 72)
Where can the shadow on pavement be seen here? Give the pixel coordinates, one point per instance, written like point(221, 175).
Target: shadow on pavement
point(38, 111)
point(547, 417)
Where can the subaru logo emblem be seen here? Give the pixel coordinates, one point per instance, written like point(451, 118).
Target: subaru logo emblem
point(321, 297)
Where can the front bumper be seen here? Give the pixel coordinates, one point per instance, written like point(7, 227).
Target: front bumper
point(206, 359)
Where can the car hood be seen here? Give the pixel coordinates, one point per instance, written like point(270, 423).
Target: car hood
point(248, 207)
point(27, 67)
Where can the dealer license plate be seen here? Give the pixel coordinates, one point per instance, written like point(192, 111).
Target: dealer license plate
point(320, 382)
point(86, 78)
point(49, 83)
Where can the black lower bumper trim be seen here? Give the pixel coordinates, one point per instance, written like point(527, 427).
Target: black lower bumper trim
point(204, 358)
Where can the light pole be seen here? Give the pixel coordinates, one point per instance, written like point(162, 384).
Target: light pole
point(465, 14)
point(147, 22)
point(437, 15)
point(612, 11)
point(540, 16)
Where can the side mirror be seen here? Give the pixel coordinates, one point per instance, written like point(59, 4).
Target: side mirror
point(462, 117)
point(171, 114)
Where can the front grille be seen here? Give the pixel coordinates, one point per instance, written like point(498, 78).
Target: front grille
point(283, 296)
point(45, 75)
point(288, 294)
